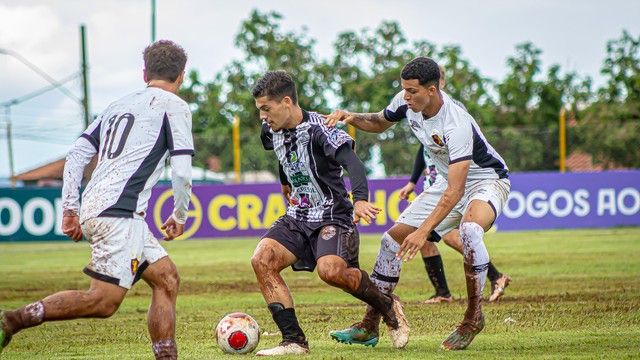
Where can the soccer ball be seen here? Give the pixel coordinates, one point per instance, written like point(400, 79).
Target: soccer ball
point(237, 333)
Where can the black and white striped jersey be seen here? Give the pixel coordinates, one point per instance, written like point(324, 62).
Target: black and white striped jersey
point(307, 154)
point(133, 138)
point(452, 135)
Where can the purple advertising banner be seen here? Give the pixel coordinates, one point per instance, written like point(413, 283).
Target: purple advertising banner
point(572, 200)
point(537, 201)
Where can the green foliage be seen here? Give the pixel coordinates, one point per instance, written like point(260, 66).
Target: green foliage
point(574, 294)
point(519, 114)
point(609, 129)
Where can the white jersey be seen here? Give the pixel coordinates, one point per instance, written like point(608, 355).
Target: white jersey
point(451, 136)
point(133, 138)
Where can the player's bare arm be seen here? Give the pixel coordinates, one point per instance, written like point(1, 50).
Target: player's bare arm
point(406, 191)
point(451, 196)
point(365, 210)
point(369, 122)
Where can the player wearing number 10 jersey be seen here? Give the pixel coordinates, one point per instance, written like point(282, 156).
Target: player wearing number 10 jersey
point(132, 138)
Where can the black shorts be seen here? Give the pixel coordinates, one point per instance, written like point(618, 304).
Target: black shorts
point(309, 241)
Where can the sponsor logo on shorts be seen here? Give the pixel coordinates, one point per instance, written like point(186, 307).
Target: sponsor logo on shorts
point(134, 266)
point(328, 232)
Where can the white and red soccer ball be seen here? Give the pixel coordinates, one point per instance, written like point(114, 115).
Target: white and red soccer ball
point(237, 333)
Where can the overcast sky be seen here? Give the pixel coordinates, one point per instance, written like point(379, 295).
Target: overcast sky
point(572, 34)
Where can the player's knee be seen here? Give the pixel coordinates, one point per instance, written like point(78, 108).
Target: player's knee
point(329, 274)
point(171, 281)
point(102, 306)
point(262, 260)
point(109, 308)
point(451, 241)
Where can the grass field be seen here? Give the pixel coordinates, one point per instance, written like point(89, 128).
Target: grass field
point(575, 294)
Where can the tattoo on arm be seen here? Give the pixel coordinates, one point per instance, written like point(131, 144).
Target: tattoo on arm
point(372, 117)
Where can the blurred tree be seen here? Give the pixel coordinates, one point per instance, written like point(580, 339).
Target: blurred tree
point(609, 129)
point(266, 47)
point(365, 74)
point(525, 121)
point(519, 115)
point(464, 83)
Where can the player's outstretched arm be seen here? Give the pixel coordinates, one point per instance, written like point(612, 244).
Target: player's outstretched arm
point(451, 196)
point(369, 122)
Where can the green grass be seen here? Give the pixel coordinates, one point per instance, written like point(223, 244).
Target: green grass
point(575, 294)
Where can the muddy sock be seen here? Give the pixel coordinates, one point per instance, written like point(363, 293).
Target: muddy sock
point(165, 350)
point(386, 271)
point(370, 294)
point(26, 317)
point(435, 272)
point(385, 275)
point(492, 273)
point(287, 323)
point(476, 264)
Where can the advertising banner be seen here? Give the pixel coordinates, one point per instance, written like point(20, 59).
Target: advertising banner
point(537, 201)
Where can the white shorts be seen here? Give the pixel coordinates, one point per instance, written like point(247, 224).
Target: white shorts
point(493, 191)
point(122, 248)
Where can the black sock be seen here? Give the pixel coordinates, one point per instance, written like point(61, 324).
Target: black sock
point(287, 323)
point(435, 272)
point(370, 294)
point(492, 273)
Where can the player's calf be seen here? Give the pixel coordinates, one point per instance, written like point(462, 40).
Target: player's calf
point(5, 330)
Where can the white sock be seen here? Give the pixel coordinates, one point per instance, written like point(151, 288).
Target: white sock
point(386, 271)
point(475, 252)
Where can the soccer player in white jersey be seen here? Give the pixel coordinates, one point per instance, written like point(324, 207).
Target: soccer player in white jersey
point(430, 254)
point(319, 227)
point(132, 138)
point(473, 191)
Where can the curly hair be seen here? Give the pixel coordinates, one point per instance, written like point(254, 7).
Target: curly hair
point(276, 85)
point(164, 60)
point(423, 69)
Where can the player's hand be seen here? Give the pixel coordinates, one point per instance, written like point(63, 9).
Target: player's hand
point(71, 227)
point(406, 191)
point(338, 116)
point(412, 245)
point(172, 228)
point(362, 209)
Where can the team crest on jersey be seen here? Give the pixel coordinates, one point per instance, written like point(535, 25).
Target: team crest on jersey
point(436, 138)
point(293, 157)
point(134, 265)
point(328, 232)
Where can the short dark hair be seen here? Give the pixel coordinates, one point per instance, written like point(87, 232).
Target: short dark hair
point(423, 69)
point(276, 85)
point(164, 60)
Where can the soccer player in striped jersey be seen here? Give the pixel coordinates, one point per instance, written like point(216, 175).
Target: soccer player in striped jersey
point(132, 138)
point(319, 229)
point(473, 191)
point(430, 253)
